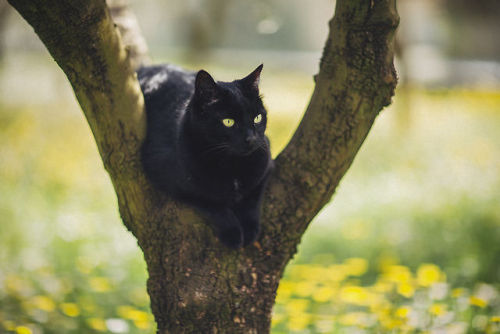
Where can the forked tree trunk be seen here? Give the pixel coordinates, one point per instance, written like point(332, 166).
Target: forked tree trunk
point(197, 285)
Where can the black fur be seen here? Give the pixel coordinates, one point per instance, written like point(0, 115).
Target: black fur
point(191, 155)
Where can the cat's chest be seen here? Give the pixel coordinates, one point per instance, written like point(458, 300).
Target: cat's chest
point(231, 184)
point(233, 173)
point(228, 185)
point(220, 188)
point(230, 179)
point(237, 191)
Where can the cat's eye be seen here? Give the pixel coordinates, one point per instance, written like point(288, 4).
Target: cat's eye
point(257, 119)
point(228, 122)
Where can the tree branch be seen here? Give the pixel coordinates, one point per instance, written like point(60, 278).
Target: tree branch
point(356, 80)
point(85, 43)
point(131, 34)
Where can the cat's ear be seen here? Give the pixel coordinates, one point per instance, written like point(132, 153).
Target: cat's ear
point(205, 87)
point(252, 80)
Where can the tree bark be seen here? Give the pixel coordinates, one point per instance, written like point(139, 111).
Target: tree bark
point(130, 32)
point(4, 15)
point(197, 285)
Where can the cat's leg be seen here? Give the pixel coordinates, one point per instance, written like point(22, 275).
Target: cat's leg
point(226, 225)
point(248, 213)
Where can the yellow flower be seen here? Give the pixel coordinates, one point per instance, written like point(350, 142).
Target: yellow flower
point(476, 301)
point(9, 325)
point(284, 291)
point(323, 294)
point(455, 293)
point(382, 286)
point(43, 303)
point(405, 289)
point(142, 324)
point(386, 261)
point(438, 309)
point(299, 321)
point(495, 318)
point(296, 271)
point(353, 318)
point(428, 274)
point(356, 295)
point(398, 274)
point(307, 272)
point(277, 318)
point(403, 312)
point(131, 313)
point(336, 272)
point(378, 304)
point(356, 266)
point(297, 305)
point(317, 273)
point(23, 330)
point(389, 322)
point(304, 288)
point(16, 284)
point(97, 324)
point(70, 309)
point(100, 284)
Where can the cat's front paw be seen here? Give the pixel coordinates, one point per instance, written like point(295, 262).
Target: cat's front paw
point(250, 232)
point(231, 237)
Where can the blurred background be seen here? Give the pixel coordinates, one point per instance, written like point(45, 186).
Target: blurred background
point(410, 243)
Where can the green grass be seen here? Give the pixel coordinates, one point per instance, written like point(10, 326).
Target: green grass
point(416, 215)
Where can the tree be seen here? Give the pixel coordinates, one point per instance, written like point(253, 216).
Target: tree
point(4, 15)
point(196, 284)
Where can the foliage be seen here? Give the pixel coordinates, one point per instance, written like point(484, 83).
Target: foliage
point(409, 244)
point(333, 299)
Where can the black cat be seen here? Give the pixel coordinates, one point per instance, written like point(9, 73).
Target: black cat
point(205, 145)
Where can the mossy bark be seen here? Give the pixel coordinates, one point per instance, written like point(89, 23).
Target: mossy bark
point(196, 284)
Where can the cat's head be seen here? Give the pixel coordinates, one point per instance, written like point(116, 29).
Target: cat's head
point(229, 117)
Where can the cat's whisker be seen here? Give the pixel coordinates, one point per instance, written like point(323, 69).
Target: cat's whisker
point(216, 148)
point(262, 147)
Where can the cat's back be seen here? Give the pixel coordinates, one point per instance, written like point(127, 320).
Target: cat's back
point(166, 88)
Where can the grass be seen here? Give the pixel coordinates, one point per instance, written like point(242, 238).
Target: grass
point(409, 244)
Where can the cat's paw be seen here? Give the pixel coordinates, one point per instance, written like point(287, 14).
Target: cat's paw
point(250, 233)
point(231, 237)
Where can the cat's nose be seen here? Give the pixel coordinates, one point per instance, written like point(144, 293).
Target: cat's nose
point(251, 139)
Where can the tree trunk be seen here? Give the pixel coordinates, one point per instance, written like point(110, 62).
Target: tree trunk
point(197, 285)
point(4, 15)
